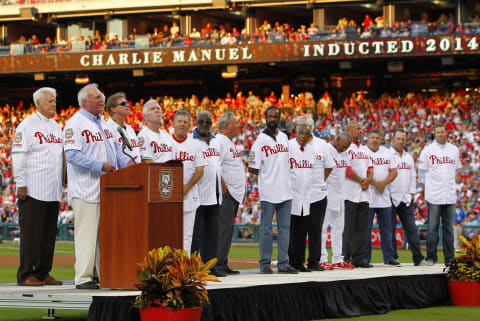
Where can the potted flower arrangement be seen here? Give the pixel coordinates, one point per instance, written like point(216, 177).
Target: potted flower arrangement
point(463, 274)
point(173, 284)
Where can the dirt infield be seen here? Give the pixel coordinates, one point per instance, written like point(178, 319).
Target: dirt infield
point(235, 263)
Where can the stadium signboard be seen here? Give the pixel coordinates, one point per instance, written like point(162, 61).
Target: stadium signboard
point(240, 54)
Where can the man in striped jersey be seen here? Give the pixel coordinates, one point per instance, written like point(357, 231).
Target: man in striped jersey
point(37, 156)
point(334, 215)
point(234, 184)
point(205, 231)
point(155, 143)
point(118, 108)
point(189, 152)
point(269, 160)
point(91, 151)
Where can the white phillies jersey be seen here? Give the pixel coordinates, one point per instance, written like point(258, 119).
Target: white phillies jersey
point(189, 151)
point(318, 190)
point(300, 164)
point(360, 162)
point(83, 134)
point(156, 146)
point(129, 132)
point(270, 156)
point(231, 166)
point(382, 164)
point(336, 179)
point(210, 181)
point(40, 140)
point(405, 182)
point(440, 162)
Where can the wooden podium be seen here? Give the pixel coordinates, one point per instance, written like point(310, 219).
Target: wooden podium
point(141, 208)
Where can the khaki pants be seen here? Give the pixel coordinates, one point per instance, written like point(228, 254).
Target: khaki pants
point(188, 223)
point(87, 247)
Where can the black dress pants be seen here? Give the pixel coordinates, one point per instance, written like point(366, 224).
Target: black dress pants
point(355, 232)
point(205, 232)
point(38, 232)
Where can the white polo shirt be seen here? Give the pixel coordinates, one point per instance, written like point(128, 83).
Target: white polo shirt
point(189, 151)
point(405, 183)
point(440, 162)
point(231, 167)
point(359, 161)
point(83, 134)
point(129, 132)
point(336, 180)
point(382, 164)
point(156, 146)
point(318, 189)
point(300, 164)
point(210, 181)
point(270, 156)
point(40, 140)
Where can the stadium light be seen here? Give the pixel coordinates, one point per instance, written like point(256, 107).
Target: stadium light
point(137, 73)
point(227, 74)
point(39, 76)
point(82, 79)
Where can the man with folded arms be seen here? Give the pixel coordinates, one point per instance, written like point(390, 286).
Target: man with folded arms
point(37, 157)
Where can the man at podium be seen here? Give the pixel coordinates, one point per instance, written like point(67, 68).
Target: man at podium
point(90, 150)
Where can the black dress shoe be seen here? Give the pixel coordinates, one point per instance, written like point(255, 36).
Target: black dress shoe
point(90, 285)
point(218, 272)
point(302, 268)
point(228, 270)
point(364, 265)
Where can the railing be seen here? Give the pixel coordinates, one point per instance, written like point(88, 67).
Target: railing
point(11, 232)
point(144, 42)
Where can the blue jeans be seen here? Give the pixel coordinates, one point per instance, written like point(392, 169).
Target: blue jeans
point(384, 217)
point(447, 213)
point(283, 224)
point(405, 213)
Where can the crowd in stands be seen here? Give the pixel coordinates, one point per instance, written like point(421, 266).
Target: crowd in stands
point(416, 112)
point(170, 35)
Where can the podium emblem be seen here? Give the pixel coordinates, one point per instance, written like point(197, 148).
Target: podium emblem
point(165, 185)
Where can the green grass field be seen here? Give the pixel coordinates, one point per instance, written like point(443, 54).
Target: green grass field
point(7, 275)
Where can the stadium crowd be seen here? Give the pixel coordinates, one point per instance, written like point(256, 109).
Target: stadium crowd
point(277, 32)
point(415, 112)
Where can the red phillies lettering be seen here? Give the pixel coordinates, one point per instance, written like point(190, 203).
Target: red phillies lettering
point(235, 154)
point(183, 156)
point(441, 160)
point(301, 164)
point(211, 152)
point(162, 148)
point(108, 133)
point(278, 148)
point(380, 161)
point(97, 137)
point(404, 165)
point(359, 155)
point(49, 139)
point(341, 163)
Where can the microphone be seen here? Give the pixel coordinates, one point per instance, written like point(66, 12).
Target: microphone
point(125, 141)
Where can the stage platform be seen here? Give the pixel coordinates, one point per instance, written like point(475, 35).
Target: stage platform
point(252, 296)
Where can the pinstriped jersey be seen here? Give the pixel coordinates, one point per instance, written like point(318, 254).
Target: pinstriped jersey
point(40, 139)
point(210, 181)
point(82, 134)
point(130, 134)
point(156, 146)
point(231, 167)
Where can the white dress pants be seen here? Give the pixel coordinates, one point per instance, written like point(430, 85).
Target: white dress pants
point(336, 221)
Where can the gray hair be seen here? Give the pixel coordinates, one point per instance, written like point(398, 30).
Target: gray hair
point(204, 112)
point(225, 119)
point(40, 93)
point(344, 135)
point(304, 120)
point(83, 93)
point(181, 112)
point(147, 104)
point(299, 126)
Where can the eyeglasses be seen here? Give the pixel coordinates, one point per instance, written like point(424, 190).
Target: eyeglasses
point(204, 122)
point(123, 103)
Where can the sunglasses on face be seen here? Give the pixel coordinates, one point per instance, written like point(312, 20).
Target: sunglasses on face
point(204, 122)
point(123, 103)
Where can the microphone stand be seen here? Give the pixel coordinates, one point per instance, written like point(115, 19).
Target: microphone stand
point(123, 150)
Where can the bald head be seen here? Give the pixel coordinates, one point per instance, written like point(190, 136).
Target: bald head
point(355, 129)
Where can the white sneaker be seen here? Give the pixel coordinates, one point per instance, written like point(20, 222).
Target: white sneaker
point(424, 263)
